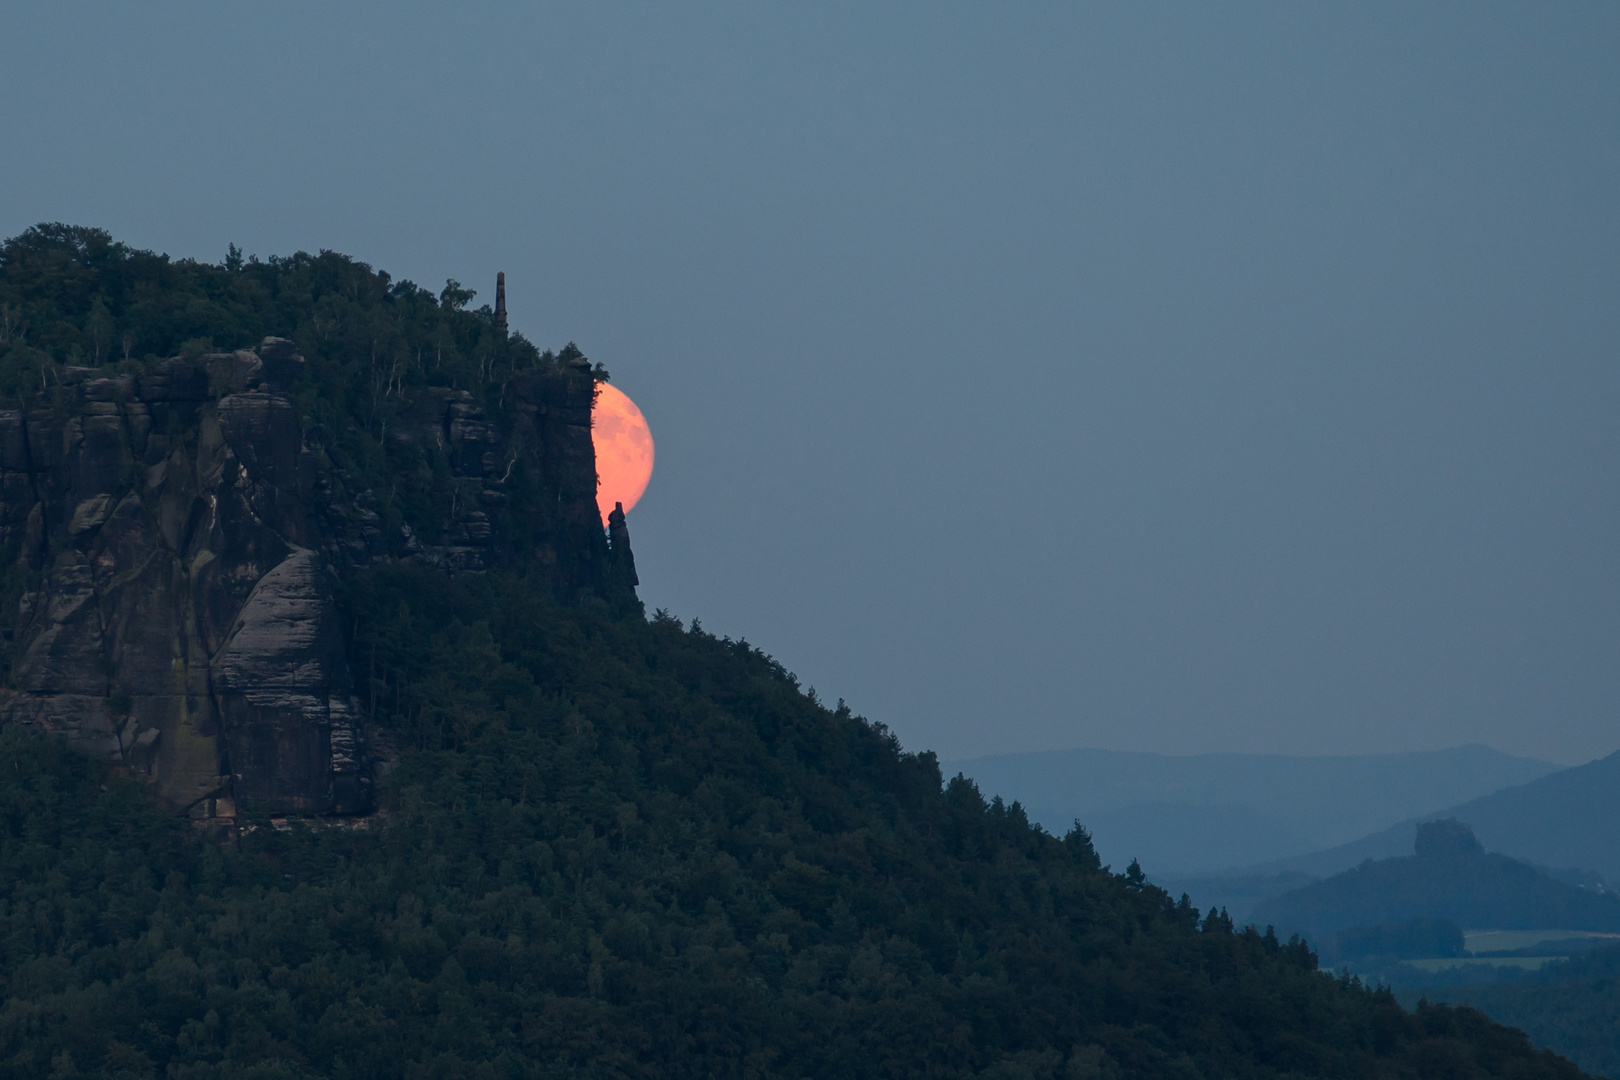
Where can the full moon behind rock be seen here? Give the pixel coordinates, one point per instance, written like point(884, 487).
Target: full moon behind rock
point(624, 450)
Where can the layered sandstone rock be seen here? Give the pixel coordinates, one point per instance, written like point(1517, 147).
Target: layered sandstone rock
point(181, 544)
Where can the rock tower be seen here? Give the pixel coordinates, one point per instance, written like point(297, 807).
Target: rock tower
point(182, 541)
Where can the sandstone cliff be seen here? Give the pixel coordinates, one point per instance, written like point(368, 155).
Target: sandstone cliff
point(181, 537)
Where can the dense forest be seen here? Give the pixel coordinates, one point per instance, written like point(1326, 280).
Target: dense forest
point(622, 847)
point(1572, 1004)
point(1413, 938)
point(612, 846)
point(71, 295)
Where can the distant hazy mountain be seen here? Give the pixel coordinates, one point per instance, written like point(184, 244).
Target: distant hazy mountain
point(1188, 835)
point(1569, 818)
point(1198, 813)
point(1449, 877)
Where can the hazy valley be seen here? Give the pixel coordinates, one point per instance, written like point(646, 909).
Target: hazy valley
point(1478, 877)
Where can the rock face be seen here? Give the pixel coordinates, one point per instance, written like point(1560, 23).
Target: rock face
point(181, 543)
point(284, 697)
point(1446, 838)
point(621, 560)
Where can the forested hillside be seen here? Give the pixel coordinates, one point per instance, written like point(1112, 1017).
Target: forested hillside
point(616, 847)
point(609, 846)
point(1572, 1004)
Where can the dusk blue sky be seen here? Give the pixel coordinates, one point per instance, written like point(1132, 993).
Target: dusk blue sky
point(1151, 377)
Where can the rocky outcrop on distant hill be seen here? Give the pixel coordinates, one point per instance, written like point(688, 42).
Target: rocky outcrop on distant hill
point(180, 539)
point(1449, 876)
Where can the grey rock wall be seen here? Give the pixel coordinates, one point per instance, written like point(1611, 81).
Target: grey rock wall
point(178, 618)
point(181, 544)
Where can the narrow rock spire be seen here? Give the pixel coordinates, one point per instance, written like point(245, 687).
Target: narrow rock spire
point(622, 560)
point(500, 299)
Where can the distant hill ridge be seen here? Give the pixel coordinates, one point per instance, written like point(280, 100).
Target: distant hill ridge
point(1570, 818)
point(1448, 876)
point(1205, 812)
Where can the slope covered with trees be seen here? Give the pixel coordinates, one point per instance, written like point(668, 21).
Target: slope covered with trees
point(619, 847)
point(1572, 1005)
point(611, 846)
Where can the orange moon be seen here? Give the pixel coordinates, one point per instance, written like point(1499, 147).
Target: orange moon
point(624, 449)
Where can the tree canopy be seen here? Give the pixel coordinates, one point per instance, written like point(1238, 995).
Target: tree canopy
point(622, 847)
point(610, 847)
